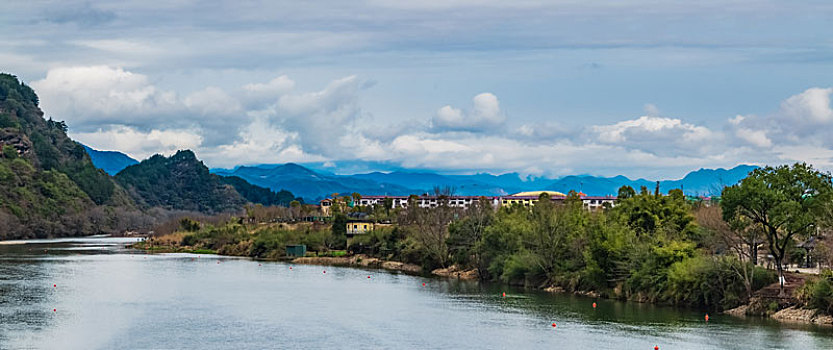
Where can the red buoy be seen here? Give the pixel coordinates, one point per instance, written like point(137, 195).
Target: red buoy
point(504, 294)
point(54, 310)
point(553, 325)
point(594, 305)
point(368, 276)
point(54, 285)
point(656, 347)
point(423, 284)
point(707, 317)
point(259, 265)
point(325, 271)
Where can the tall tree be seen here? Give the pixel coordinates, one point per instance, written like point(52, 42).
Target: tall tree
point(465, 236)
point(785, 201)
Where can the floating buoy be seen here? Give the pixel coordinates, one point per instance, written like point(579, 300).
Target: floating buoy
point(54, 286)
point(707, 317)
point(553, 325)
point(192, 259)
point(54, 310)
point(656, 347)
point(368, 276)
point(259, 265)
point(423, 284)
point(218, 261)
point(594, 305)
point(325, 271)
point(290, 267)
point(504, 294)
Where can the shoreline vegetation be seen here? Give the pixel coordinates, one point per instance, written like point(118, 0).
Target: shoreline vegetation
point(650, 247)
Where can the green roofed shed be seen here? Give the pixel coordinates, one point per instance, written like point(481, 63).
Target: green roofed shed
point(296, 250)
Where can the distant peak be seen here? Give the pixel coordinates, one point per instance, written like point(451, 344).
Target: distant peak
point(185, 154)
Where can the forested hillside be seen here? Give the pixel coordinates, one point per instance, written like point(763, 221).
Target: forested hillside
point(179, 182)
point(48, 185)
point(260, 195)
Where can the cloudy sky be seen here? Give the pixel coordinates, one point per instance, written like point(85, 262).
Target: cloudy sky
point(640, 88)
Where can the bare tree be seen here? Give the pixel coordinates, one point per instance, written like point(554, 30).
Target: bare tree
point(432, 224)
point(740, 238)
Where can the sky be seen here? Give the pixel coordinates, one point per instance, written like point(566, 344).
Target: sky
point(650, 89)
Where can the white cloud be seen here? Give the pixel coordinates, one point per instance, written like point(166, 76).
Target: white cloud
point(484, 114)
point(657, 135)
point(810, 106)
point(139, 144)
point(755, 137)
point(90, 96)
point(274, 87)
point(269, 92)
point(212, 101)
point(273, 122)
point(543, 131)
point(258, 143)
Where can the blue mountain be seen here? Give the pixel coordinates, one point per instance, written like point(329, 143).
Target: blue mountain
point(309, 184)
point(313, 185)
point(110, 161)
point(708, 181)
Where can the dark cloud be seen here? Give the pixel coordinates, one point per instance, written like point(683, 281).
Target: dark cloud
point(84, 14)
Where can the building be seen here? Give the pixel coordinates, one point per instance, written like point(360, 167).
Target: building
point(325, 206)
point(526, 199)
point(359, 227)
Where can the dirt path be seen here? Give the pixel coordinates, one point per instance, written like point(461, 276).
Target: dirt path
point(793, 281)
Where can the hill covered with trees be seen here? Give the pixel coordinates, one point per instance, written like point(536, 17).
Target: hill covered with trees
point(260, 195)
point(179, 182)
point(49, 186)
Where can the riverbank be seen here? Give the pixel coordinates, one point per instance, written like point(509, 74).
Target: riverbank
point(359, 260)
point(768, 303)
point(785, 312)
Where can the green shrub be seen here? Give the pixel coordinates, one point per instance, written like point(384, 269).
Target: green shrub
point(817, 292)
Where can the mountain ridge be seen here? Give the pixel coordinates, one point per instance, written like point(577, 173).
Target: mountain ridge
point(110, 161)
point(313, 185)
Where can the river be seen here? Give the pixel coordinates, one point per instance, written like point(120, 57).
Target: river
point(92, 293)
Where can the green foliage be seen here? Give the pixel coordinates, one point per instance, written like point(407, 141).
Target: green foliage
point(784, 201)
point(8, 121)
point(9, 152)
point(12, 89)
point(53, 186)
point(40, 200)
point(711, 282)
point(179, 182)
point(385, 243)
point(647, 212)
point(817, 292)
point(260, 195)
point(268, 243)
point(189, 225)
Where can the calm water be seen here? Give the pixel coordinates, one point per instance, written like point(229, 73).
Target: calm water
point(108, 297)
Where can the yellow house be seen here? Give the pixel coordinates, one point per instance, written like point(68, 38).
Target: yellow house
point(528, 199)
point(359, 227)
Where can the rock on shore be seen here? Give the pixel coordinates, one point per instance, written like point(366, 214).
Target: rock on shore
point(796, 314)
point(455, 271)
point(360, 261)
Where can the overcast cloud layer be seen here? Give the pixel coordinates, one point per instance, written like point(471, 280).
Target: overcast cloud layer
point(644, 89)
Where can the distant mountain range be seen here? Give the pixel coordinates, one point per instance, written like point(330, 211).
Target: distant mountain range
point(110, 161)
point(314, 185)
